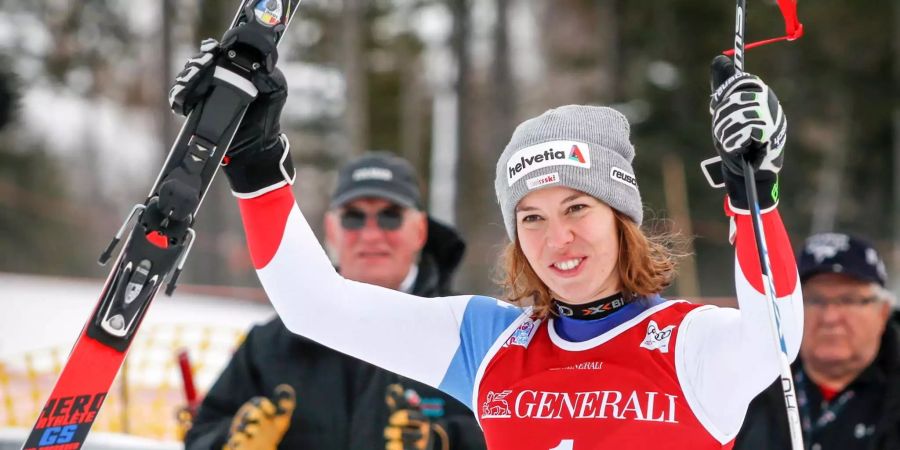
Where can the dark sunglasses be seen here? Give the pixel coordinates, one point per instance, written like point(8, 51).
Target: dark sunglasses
point(388, 219)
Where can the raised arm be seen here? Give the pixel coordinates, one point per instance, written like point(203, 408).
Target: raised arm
point(443, 339)
point(725, 357)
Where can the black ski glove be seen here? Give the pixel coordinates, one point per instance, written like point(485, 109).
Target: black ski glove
point(747, 122)
point(258, 160)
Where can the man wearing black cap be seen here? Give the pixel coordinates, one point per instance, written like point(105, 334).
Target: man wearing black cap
point(281, 390)
point(848, 372)
point(382, 251)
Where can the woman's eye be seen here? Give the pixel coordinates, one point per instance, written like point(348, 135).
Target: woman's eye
point(576, 208)
point(531, 218)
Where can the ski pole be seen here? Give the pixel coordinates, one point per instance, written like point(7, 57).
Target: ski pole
point(787, 380)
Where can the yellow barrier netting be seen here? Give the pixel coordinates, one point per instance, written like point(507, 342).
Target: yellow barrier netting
point(147, 393)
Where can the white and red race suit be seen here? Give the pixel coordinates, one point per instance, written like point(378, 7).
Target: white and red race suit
point(655, 374)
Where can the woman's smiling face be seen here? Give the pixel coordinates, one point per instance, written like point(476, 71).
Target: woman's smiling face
point(571, 242)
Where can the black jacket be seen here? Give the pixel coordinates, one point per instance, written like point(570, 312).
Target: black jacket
point(868, 421)
point(340, 399)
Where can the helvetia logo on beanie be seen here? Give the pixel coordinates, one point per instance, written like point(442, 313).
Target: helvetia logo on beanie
point(547, 154)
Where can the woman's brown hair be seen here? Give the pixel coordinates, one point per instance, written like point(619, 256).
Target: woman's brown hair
point(646, 266)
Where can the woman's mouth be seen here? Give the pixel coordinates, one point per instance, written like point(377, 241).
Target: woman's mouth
point(568, 266)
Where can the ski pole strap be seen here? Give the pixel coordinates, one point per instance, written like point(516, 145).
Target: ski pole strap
point(793, 29)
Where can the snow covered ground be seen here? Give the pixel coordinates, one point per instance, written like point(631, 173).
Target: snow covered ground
point(40, 312)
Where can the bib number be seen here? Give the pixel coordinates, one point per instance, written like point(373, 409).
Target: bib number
point(565, 444)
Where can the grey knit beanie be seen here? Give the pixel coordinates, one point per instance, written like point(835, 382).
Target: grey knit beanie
point(586, 148)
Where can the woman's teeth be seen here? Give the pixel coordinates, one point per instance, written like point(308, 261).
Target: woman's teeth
point(568, 264)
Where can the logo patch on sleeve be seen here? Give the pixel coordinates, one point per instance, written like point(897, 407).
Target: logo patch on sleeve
point(657, 339)
point(542, 180)
point(623, 177)
point(522, 335)
point(547, 154)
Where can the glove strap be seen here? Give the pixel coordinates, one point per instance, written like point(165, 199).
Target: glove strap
point(712, 170)
point(718, 177)
point(263, 173)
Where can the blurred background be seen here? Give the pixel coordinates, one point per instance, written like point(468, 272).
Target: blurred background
point(84, 129)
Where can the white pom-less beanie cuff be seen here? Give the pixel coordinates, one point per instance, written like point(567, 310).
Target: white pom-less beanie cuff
point(586, 148)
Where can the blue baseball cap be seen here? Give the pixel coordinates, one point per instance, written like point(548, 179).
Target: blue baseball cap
point(840, 253)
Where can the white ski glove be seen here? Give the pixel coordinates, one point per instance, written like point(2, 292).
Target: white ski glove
point(747, 123)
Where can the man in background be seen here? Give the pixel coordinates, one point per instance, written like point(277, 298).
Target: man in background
point(848, 371)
